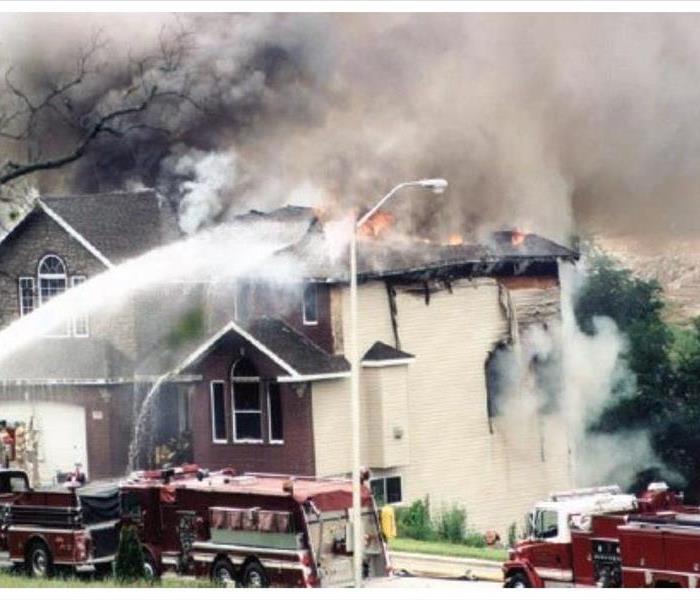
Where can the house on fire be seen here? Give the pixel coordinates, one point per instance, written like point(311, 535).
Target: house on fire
point(263, 384)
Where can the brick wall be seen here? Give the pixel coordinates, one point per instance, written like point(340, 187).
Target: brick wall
point(295, 456)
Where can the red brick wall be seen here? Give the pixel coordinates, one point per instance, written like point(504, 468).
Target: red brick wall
point(295, 456)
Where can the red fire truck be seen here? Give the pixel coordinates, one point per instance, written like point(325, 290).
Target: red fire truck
point(602, 537)
point(73, 528)
point(253, 530)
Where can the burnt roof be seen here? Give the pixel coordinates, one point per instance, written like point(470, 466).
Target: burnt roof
point(382, 351)
point(120, 225)
point(397, 255)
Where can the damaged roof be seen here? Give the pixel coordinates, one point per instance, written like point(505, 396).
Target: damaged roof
point(396, 255)
point(119, 225)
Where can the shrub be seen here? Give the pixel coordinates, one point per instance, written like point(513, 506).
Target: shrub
point(451, 525)
point(414, 521)
point(512, 535)
point(474, 539)
point(130, 559)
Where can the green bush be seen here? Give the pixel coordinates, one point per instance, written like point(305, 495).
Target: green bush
point(130, 559)
point(451, 524)
point(512, 535)
point(414, 521)
point(474, 539)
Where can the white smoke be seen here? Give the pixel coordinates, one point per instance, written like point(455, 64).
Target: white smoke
point(212, 176)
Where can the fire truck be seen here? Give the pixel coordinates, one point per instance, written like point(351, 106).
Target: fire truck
point(74, 528)
point(602, 537)
point(251, 530)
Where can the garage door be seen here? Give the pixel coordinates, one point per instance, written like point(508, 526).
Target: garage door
point(61, 433)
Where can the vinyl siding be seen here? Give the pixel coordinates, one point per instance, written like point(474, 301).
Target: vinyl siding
point(452, 455)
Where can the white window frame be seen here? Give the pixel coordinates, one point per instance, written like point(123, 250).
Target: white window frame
point(23, 309)
point(305, 320)
point(77, 280)
point(383, 479)
point(64, 276)
point(259, 412)
point(271, 440)
point(214, 439)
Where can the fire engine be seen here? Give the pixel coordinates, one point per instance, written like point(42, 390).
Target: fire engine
point(252, 530)
point(602, 537)
point(70, 527)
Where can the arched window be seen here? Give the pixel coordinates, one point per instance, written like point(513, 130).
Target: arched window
point(247, 408)
point(52, 277)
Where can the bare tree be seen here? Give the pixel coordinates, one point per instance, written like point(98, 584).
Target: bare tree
point(51, 127)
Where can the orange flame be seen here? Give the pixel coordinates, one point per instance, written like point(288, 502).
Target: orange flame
point(517, 237)
point(455, 240)
point(377, 224)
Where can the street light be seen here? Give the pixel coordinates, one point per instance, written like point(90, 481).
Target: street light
point(437, 186)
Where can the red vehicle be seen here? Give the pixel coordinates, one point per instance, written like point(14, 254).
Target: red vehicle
point(586, 537)
point(254, 530)
point(73, 528)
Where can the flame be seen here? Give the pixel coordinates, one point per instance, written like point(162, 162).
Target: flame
point(455, 240)
point(517, 237)
point(377, 224)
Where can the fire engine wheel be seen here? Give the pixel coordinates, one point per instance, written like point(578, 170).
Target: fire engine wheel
point(517, 580)
point(150, 568)
point(39, 562)
point(223, 572)
point(254, 576)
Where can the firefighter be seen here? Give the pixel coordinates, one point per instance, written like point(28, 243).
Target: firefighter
point(5, 445)
point(387, 519)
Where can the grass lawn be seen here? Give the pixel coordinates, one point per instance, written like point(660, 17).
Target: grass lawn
point(447, 549)
point(16, 580)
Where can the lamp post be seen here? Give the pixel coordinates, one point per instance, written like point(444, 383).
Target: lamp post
point(438, 186)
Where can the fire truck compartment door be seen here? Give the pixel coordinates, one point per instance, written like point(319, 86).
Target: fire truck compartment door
point(60, 432)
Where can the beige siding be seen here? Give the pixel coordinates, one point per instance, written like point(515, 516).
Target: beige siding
point(449, 452)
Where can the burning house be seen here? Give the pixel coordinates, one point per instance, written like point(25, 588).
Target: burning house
point(262, 383)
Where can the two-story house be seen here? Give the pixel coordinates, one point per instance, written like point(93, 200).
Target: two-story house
point(274, 393)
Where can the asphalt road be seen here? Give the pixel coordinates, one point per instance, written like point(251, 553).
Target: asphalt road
point(429, 582)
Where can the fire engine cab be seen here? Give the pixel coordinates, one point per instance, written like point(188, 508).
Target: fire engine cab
point(588, 537)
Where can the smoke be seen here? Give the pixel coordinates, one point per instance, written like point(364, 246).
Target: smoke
point(560, 370)
point(550, 122)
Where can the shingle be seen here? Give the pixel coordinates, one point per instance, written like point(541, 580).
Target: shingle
point(120, 225)
point(382, 351)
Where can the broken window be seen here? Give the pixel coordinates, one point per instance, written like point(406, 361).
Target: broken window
point(498, 370)
point(247, 411)
point(218, 412)
point(274, 413)
point(310, 308)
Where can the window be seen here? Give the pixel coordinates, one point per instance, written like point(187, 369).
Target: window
point(26, 295)
point(386, 490)
point(499, 363)
point(52, 278)
point(310, 304)
point(274, 414)
point(546, 524)
point(247, 413)
point(52, 282)
point(218, 412)
point(80, 321)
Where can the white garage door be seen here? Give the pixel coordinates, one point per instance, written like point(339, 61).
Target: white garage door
point(61, 430)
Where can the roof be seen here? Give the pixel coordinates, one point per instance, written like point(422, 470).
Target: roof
point(66, 360)
point(381, 353)
point(117, 225)
point(396, 255)
point(299, 357)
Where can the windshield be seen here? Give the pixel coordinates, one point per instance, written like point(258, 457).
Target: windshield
point(545, 524)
